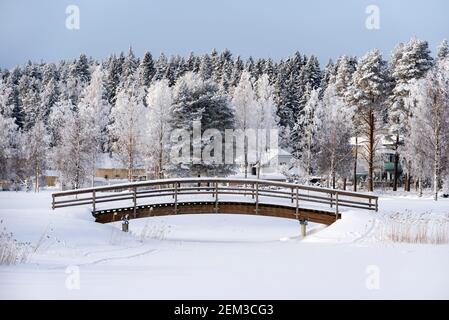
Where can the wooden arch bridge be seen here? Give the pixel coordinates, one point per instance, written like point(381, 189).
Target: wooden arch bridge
point(214, 195)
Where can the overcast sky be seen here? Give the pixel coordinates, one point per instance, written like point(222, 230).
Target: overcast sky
point(36, 30)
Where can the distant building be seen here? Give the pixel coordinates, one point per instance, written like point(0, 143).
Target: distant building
point(111, 168)
point(273, 166)
point(383, 163)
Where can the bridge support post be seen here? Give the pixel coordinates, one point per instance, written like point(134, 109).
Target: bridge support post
point(135, 202)
point(336, 206)
point(176, 197)
point(303, 222)
point(297, 203)
point(93, 201)
point(257, 197)
point(292, 194)
point(216, 197)
point(332, 199)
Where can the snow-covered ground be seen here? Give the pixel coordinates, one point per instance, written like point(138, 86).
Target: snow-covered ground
point(221, 256)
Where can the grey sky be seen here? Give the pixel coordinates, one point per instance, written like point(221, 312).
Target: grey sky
point(36, 30)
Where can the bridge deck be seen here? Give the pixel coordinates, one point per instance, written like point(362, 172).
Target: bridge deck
point(224, 207)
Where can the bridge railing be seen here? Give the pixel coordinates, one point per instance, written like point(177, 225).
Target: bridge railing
point(219, 189)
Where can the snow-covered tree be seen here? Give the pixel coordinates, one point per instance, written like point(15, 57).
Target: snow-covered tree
point(332, 140)
point(93, 110)
point(56, 120)
point(8, 129)
point(72, 155)
point(306, 144)
point(429, 126)
point(245, 105)
point(48, 98)
point(344, 71)
point(198, 102)
point(367, 91)
point(128, 122)
point(146, 69)
point(159, 100)
point(6, 103)
point(443, 50)
point(265, 117)
point(408, 62)
point(36, 147)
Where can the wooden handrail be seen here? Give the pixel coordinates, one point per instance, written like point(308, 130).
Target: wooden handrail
point(175, 188)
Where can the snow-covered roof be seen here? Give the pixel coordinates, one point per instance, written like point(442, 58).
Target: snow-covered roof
point(106, 161)
point(51, 173)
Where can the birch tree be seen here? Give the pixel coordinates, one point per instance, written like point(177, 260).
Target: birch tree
point(159, 100)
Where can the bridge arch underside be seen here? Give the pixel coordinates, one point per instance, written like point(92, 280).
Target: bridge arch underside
point(205, 207)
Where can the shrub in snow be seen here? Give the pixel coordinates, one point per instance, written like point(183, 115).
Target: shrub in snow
point(13, 251)
point(410, 227)
point(154, 231)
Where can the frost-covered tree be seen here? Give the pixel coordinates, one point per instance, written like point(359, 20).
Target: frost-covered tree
point(265, 116)
point(408, 62)
point(128, 122)
point(146, 69)
point(198, 102)
point(56, 120)
point(6, 103)
point(72, 155)
point(93, 110)
point(332, 140)
point(159, 100)
point(245, 105)
point(36, 148)
point(48, 98)
point(367, 92)
point(306, 159)
point(344, 71)
point(443, 50)
point(429, 128)
point(8, 130)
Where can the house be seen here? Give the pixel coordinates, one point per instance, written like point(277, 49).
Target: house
point(109, 167)
point(383, 163)
point(274, 165)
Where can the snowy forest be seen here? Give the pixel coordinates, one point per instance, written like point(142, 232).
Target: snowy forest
point(62, 116)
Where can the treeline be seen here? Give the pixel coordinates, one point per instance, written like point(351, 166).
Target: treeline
point(61, 116)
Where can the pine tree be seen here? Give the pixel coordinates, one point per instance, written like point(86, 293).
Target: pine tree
point(146, 69)
point(161, 66)
point(367, 91)
point(113, 72)
point(408, 62)
point(206, 67)
point(443, 50)
point(345, 68)
point(48, 98)
point(196, 101)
